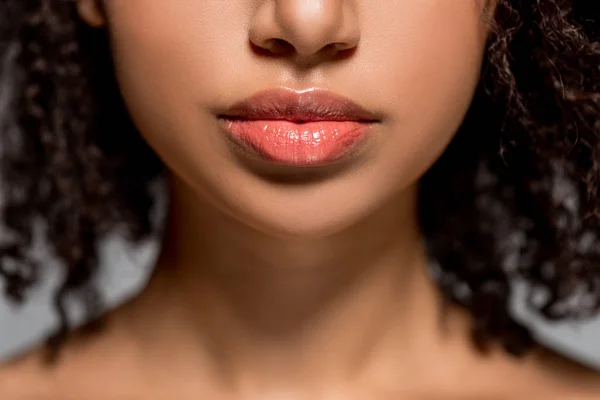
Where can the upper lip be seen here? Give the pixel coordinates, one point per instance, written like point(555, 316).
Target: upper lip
point(299, 106)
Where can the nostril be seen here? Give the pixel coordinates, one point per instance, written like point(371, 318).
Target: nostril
point(279, 46)
point(341, 46)
point(340, 50)
point(272, 47)
point(282, 48)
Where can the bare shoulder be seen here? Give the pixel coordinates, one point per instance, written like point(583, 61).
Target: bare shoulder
point(543, 374)
point(85, 366)
point(572, 377)
point(26, 378)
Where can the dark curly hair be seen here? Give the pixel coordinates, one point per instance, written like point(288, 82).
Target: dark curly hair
point(514, 197)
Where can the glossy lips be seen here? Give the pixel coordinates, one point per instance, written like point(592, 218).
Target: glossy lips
point(298, 128)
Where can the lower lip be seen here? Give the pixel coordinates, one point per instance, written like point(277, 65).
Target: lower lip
point(308, 143)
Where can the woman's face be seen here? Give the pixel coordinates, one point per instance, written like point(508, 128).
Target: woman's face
point(181, 63)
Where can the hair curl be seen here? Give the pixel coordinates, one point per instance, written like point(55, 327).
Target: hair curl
point(515, 195)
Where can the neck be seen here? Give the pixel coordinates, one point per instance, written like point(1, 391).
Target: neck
point(319, 306)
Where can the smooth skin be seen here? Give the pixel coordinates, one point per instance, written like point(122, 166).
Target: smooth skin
point(271, 289)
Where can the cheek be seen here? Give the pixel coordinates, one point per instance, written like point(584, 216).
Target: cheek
point(431, 70)
point(173, 60)
point(173, 48)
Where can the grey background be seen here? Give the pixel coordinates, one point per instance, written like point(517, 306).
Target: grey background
point(125, 270)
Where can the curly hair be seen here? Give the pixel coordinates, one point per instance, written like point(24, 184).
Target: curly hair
point(514, 196)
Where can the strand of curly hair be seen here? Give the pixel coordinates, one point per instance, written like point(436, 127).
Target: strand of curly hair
point(515, 196)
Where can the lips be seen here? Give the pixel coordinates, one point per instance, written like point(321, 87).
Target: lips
point(298, 128)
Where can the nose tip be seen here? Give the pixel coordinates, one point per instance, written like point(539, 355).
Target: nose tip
point(304, 27)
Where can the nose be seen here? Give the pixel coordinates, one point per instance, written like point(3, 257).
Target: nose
point(305, 27)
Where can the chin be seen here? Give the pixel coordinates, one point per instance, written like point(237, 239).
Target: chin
point(304, 213)
point(285, 225)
